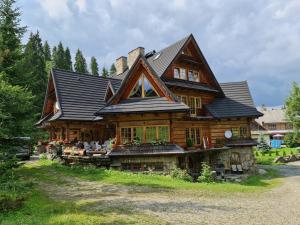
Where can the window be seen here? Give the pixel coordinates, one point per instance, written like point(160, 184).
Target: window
point(235, 132)
point(195, 105)
point(176, 73)
point(143, 89)
point(183, 99)
point(193, 134)
point(243, 132)
point(194, 76)
point(183, 73)
point(126, 135)
point(150, 134)
point(239, 132)
point(163, 133)
point(180, 73)
point(138, 133)
point(272, 126)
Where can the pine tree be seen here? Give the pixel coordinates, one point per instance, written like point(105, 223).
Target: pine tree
point(113, 69)
point(94, 66)
point(10, 42)
point(292, 104)
point(104, 72)
point(80, 63)
point(68, 60)
point(47, 51)
point(59, 57)
point(34, 71)
point(54, 50)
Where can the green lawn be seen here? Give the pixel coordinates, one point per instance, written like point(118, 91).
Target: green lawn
point(268, 157)
point(40, 209)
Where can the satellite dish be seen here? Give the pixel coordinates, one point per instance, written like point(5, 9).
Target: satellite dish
point(228, 134)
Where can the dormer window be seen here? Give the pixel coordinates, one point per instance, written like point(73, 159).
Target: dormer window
point(143, 89)
point(194, 76)
point(180, 73)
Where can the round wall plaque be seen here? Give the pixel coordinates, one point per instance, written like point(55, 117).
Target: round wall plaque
point(228, 134)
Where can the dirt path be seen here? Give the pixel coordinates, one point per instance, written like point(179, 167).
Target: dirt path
point(278, 206)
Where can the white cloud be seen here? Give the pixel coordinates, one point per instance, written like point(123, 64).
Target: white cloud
point(241, 40)
point(56, 9)
point(81, 4)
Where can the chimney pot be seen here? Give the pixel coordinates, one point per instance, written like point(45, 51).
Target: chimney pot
point(121, 65)
point(133, 54)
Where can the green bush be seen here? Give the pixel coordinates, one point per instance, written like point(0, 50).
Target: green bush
point(206, 174)
point(292, 139)
point(43, 156)
point(283, 153)
point(189, 143)
point(181, 175)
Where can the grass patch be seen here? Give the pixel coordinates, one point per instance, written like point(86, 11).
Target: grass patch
point(268, 157)
point(52, 171)
point(39, 209)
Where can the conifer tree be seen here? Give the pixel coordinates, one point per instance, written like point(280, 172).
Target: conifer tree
point(59, 57)
point(113, 69)
point(80, 63)
point(10, 42)
point(47, 51)
point(94, 66)
point(34, 71)
point(68, 60)
point(104, 72)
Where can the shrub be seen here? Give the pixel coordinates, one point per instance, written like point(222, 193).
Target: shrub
point(181, 175)
point(283, 153)
point(276, 153)
point(189, 143)
point(206, 174)
point(292, 139)
point(262, 144)
point(43, 156)
point(256, 153)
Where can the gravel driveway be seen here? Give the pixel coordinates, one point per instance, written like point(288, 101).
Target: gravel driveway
point(278, 206)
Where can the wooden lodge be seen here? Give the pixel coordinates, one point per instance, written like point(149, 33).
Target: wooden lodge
point(163, 110)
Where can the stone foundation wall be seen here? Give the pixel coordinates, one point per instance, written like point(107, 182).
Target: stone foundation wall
point(169, 162)
point(246, 157)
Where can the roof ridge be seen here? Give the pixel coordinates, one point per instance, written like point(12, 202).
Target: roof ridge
point(234, 82)
point(185, 38)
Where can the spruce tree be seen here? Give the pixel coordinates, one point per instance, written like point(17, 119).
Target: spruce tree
point(11, 33)
point(80, 63)
point(94, 66)
point(59, 57)
point(68, 60)
point(113, 69)
point(34, 71)
point(47, 51)
point(104, 72)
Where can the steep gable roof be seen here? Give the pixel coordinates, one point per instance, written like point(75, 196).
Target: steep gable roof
point(162, 59)
point(163, 103)
point(80, 95)
point(236, 103)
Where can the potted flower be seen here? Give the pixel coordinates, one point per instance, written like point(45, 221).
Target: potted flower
point(190, 144)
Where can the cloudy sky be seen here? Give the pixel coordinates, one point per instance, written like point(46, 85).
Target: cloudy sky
point(257, 41)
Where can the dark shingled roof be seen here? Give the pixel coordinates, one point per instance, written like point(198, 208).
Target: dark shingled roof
point(169, 149)
point(80, 95)
point(237, 102)
point(161, 63)
point(139, 105)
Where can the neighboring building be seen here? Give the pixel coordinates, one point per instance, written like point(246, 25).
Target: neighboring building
point(273, 125)
point(153, 106)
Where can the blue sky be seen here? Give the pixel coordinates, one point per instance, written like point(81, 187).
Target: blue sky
point(257, 41)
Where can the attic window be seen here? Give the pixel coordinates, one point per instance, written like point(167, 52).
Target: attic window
point(157, 56)
point(143, 89)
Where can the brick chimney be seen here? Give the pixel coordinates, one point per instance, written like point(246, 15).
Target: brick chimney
point(133, 54)
point(121, 64)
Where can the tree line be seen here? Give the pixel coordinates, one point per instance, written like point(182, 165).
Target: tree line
point(24, 70)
